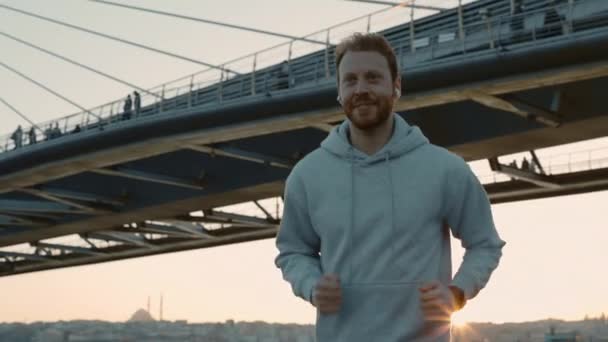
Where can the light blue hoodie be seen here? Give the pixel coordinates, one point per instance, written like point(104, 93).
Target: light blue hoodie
point(382, 223)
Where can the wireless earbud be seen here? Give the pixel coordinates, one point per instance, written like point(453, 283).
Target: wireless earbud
point(397, 92)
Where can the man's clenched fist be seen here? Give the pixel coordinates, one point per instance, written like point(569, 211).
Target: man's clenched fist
point(327, 295)
point(438, 301)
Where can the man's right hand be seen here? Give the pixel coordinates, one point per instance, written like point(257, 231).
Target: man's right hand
point(327, 295)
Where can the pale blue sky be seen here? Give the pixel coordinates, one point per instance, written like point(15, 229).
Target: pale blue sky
point(553, 264)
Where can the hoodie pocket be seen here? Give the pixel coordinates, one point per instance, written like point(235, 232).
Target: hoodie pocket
point(387, 312)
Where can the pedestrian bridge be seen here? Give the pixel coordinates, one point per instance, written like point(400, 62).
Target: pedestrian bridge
point(484, 80)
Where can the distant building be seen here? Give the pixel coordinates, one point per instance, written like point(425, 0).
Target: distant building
point(572, 336)
point(141, 315)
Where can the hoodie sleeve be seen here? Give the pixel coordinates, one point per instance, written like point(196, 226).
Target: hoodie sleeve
point(297, 242)
point(469, 216)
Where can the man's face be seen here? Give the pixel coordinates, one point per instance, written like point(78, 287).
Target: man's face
point(366, 88)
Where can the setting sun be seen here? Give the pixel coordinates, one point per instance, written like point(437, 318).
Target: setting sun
point(458, 321)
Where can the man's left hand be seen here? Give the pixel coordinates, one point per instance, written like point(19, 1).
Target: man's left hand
point(437, 301)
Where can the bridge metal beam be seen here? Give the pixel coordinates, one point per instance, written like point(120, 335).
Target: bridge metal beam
point(181, 228)
point(510, 103)
point(32, 217)
point(268, 215)
point(73, 249)
point(20, 206)
point(81, 196)
point(12, 268)
point(27, 256)
point(232, 152)
point(14, 223)
point(504, 85)
point(528, 176)
point(149, 177)
point(42, 194)
point(122, 237)
point(326, 127)
point(157, 229)
point(421, 99)
point(25, 220)
point(224, 217)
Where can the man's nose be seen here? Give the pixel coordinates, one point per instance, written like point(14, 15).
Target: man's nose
point(361, 87)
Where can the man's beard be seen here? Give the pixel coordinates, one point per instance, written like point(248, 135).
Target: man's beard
point(381, 105)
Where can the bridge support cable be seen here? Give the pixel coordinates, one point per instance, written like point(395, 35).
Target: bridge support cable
point(20, 114)
point(113, 78)
point(114, 38)
point(396, 4)
point(48, 89)
point(212, 22)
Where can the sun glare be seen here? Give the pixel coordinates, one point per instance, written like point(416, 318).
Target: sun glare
point(458, 321)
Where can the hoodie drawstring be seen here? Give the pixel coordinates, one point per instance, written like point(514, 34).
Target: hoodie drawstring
point(351, 158)
point(392, 195)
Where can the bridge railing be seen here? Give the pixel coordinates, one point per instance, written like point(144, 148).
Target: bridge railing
point(577, 161)
point(419, 36)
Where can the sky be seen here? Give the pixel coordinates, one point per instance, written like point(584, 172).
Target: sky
point(553, 264)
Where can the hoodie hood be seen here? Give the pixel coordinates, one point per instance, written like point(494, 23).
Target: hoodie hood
point(404, 139)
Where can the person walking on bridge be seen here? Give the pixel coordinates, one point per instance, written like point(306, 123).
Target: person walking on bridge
point(368, 243)
point(32, 135)
point(137, 101)
point(126, 115)
point(17, 137)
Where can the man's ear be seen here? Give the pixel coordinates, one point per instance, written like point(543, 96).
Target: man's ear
point(397, 88)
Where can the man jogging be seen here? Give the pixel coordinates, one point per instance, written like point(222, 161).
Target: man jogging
point(365, 233)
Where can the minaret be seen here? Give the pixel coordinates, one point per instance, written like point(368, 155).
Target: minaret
point(161, 307)
point(149, 304)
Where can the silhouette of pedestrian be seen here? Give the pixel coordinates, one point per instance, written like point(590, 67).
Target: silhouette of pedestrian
point(48, 132)
point(126, 115)
point(525, 165)
point(283, 76)
point(17, 137)
point(56, 132)
point(517, 22)
point(32, 136)
point(137, 99)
